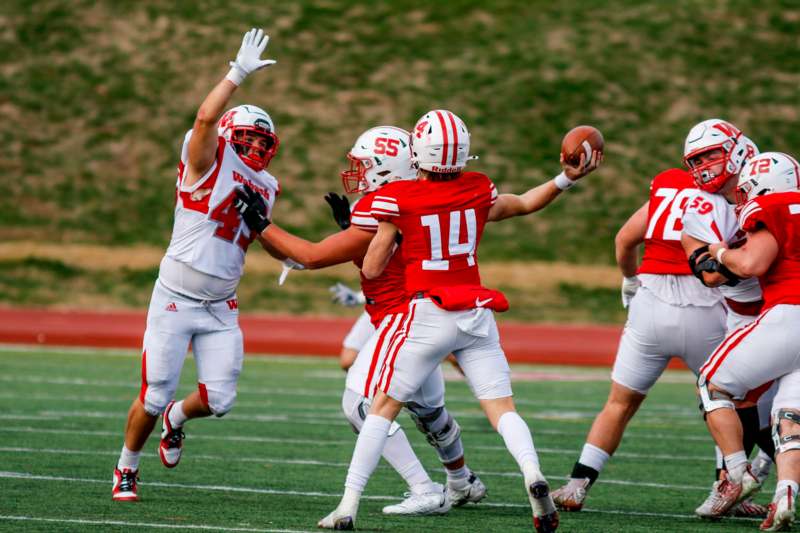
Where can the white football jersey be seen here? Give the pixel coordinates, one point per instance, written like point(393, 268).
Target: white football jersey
point(209, 235)
point(710, 218)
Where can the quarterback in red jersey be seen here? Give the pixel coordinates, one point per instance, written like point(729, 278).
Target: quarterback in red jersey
point(441, 217)
point(670, 313)
point(379, 156)
point(768, 349)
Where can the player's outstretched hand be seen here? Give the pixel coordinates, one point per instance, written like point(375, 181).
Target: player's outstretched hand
point(252, 209)
point(248, 60)
point(344, 295)
point(340, 206)
point(583, 167)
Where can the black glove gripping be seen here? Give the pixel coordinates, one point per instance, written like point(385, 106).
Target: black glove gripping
point(252, 209)
point(701, 261)
point(340, 206)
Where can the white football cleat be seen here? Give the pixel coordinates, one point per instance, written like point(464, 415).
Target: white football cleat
point(337, 521)
point(725, 494)
point(571, 496)
point(780, 516)
point(473, 492)
point(545, 515)
point(171, 445)
point(422, 500)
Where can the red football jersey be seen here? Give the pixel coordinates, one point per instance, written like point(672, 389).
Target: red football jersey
point(663, 253)
point(779, 213)
point(386, 293)
point(442, 223)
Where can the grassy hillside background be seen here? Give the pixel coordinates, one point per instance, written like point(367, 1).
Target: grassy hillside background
point(96, 95)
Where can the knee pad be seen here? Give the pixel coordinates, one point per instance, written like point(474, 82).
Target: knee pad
point(440, 429)
point(356, 408)
point(156, 397)
point(219, 401)
point(784, 443)
point(711, 400)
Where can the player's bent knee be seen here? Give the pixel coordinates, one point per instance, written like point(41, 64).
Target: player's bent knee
point(221, 402)
point(156, 398)
point(712, 397)
point(786, 429)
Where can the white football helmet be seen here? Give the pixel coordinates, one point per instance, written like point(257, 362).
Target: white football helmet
point(715, 134)
point(440, 142)
point(379, 155)
point(235, 125)
point(767, 173)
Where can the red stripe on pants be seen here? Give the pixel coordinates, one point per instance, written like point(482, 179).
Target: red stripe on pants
point(400, 342)
point(377, 352)
point(203, 394)
point(143, 390)
point(733, 345)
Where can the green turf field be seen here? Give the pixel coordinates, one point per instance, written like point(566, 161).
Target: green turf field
point(278, 461)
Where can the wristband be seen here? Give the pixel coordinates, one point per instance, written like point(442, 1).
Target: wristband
point(563, 182)
point(235, 74)
point(720, 253)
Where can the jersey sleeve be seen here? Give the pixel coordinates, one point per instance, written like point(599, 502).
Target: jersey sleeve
point(492, 193)
point(384, 208)
point(361, 216)
point(755, 216)
point(700, 219)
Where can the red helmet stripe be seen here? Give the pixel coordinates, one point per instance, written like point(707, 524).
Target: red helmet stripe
point(444, 133)
point(455, 136)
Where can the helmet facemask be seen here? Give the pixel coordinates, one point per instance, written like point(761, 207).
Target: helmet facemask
point(704, 178)
point(254, 154)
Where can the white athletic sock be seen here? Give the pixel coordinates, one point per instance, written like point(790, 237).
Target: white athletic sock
point(349, 504)
point(128, 459)
point(176, 415)
point(736, 464)
point(593, 457)
point(718, 455)
point(785, 484)
point(367, 453)
point(518, 439)
point(458, 478)
point(401, 456)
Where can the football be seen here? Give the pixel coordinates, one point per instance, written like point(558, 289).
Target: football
point(581, 140)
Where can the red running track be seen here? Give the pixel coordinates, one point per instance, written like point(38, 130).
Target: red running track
point(277, 334)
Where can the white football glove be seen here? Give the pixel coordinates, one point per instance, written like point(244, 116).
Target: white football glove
point(288, 266)
point(629, 287)
point(344, 295)
point(248, 60)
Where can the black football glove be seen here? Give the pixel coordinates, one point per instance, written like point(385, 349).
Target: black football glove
point(252, 209)
point(340, 206)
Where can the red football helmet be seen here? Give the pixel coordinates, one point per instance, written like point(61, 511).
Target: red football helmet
point(244, 126)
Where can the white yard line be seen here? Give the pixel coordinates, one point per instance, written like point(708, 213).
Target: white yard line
point(276, 492)
point(312, 462)
point(85, 522)
point(239, 438)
